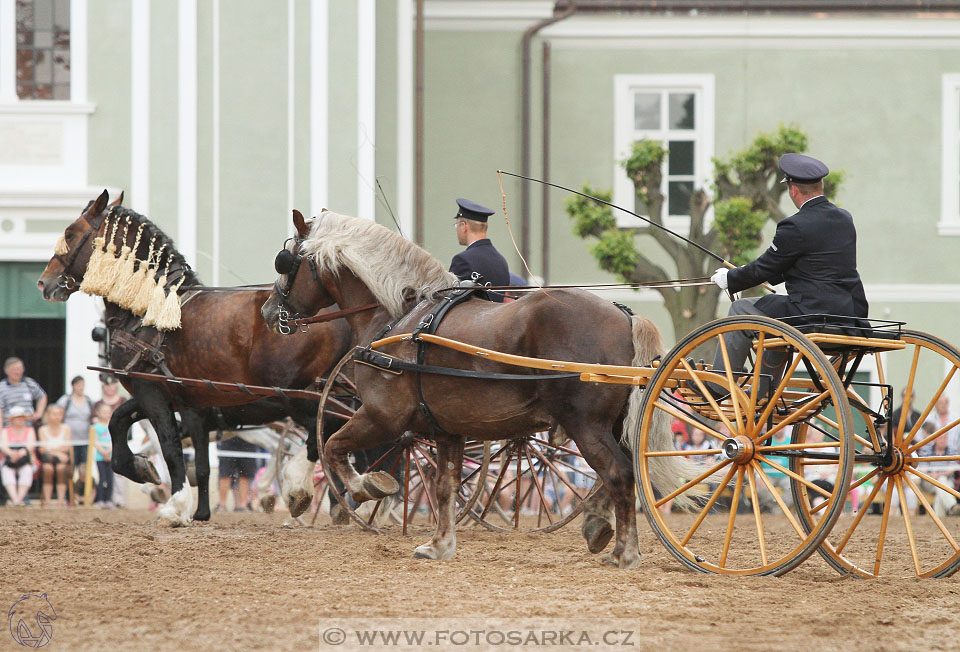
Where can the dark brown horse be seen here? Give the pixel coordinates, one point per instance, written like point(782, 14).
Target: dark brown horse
point(351, 261)
point(221, 337)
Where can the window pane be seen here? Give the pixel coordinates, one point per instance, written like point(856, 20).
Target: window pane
point(43, 49)
point(682, 110)
point(679, 193)
point(42, 15)
point(61, 14)
point(646, 111)
point(681, 156)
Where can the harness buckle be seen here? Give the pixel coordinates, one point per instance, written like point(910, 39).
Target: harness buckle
point(426, 321)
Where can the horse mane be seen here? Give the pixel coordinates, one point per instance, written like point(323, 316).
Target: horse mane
point(153, 232)
point(388, 264)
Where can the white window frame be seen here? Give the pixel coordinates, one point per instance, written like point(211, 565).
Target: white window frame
point(625, 85)
point(950, 167)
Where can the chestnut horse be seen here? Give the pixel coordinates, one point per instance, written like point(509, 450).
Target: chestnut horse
point(354, 261)
point(221, 337)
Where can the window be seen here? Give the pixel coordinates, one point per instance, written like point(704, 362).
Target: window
point(677, 111)
point(43, 49)
point(950, 167)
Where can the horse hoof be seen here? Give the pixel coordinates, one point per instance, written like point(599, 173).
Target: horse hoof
point(338, 515)
point(299, 503)
point(598, 533)
point(426, 551)
point(622, 561)
point(146, 471)
point(201, 516)
point(268, 504)
point(380, 485)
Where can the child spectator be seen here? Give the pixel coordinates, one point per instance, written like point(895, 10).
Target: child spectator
point(103, 446)
point(16, 443)
point(55, 454)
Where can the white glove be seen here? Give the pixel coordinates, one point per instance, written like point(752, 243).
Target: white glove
point(720, 277)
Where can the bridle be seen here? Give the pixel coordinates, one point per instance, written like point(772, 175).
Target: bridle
point(65, 280)
point(287, 263)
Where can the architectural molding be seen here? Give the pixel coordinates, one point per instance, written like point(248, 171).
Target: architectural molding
point(950, 156)
point(366, 109)
point(319, 91)
point(140, 107)
point(405, 123)
point(187, 131)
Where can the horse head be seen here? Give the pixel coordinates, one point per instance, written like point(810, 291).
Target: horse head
point(64, 273)
point(294, 293)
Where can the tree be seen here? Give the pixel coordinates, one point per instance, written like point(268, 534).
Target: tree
point(746, 195)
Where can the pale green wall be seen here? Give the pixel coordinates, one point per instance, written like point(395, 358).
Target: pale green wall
point(342, 109)
point(164, 103)
point(108, 87)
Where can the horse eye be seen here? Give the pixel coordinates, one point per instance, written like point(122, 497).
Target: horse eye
point(283, 262)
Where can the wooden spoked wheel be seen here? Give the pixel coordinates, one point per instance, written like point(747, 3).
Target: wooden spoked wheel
point(897, 521)
point(534, 483)
point(731, 514)
point(411, 460)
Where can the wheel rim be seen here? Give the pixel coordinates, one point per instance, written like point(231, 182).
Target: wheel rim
point(412, 460)
point(554, 480)
point(885, 534)
point(746, 460)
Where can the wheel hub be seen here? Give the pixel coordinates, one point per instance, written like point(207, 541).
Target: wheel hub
point(896, 464)
point(740, 449)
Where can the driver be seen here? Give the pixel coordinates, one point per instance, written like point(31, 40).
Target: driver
point(814, 252)
point(480, 256)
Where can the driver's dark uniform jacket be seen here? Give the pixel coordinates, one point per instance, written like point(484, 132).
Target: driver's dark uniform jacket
point(814, 252)
point(483, 258)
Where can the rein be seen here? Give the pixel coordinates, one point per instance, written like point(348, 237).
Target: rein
point(67, 281)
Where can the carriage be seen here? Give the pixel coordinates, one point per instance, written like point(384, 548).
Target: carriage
point(805, 456)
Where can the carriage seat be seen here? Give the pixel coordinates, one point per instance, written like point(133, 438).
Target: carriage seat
point(835, 334)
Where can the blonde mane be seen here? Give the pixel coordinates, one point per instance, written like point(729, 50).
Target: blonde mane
point(387, 264)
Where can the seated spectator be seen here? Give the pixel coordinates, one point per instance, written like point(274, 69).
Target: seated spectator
point(56, 455)
point(943, 501)
point(779, 479)
point(103, 446)
point(16, 443)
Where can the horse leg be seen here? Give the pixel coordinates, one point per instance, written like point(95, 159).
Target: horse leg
point(177, 510)
point(443, 545)
point(360, 433)
point(193, 424)
point(604, 455)
point(122, 460)
point(598, 520)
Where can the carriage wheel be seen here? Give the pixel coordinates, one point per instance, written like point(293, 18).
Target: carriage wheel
point(554, 480)
point(731, 514)
point(412, 460)
point(892, 525)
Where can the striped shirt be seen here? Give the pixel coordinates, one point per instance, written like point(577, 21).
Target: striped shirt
point(25, 393)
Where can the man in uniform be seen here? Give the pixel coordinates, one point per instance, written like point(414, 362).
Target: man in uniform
point(480, 256)
point(814, 252)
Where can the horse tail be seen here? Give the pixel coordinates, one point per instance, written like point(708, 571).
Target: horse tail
point(666, 473)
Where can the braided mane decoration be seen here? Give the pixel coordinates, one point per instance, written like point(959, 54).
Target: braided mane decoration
point(388, 264)
point(128, 277)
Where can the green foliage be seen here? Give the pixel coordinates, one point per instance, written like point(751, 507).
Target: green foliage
point(755, 162)
point(832, 183)
point(643, 166)
point(590, 217)
point(616, 252)
point(738, 228)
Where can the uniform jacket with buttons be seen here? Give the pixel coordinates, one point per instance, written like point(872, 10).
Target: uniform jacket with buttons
point(814, 252)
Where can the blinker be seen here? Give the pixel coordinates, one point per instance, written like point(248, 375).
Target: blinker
point(284, 262)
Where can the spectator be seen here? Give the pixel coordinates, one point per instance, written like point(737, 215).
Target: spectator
point(19, 390)
point(78, 414)
point(16, 443)
point(779, 479)
point(942, 417)
point(943, 501)
point(231, 466)
point(55, 455)
point(912, 415)
point(103, 447)
point(110, 395)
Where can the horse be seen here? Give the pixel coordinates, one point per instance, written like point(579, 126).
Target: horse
point(353, 261)
point(123, 256)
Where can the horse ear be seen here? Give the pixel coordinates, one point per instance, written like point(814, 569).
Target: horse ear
point(300, 223)
point(118, 201)
point(101, 204)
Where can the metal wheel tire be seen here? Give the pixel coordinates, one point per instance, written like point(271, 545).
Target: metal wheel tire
point(412, 460)
point(698, 521)
point(554, 480)
point(881, 534)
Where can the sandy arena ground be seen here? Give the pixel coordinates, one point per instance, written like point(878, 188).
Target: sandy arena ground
point(245, 582)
